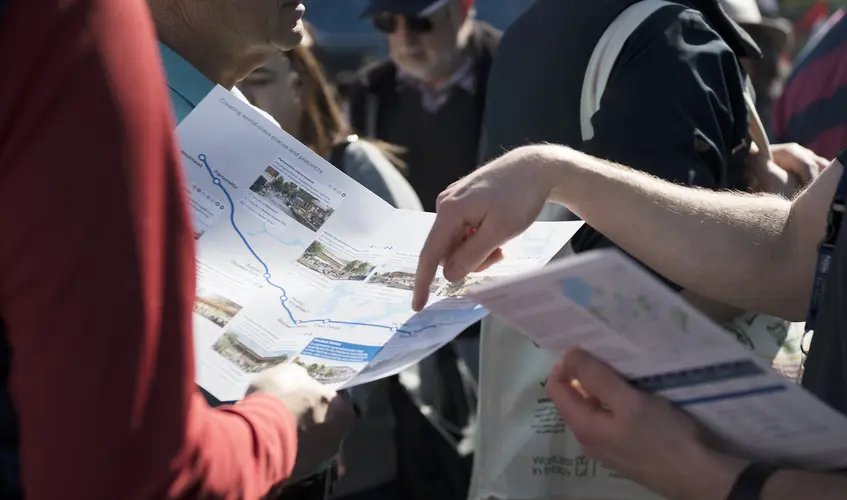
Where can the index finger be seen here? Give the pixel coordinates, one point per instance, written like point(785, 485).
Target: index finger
point(438, 244)
point(580, 410)
point(822, 163)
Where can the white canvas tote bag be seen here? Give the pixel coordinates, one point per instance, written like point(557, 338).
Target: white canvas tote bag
point(523, 449)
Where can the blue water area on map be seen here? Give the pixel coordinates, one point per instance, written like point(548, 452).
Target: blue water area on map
point(336, 350)
point(578, 291)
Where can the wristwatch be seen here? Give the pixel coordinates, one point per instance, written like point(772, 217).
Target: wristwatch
point(751, 481)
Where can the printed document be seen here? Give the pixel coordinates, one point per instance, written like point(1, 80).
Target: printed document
point(297, 263)
point(605, 303)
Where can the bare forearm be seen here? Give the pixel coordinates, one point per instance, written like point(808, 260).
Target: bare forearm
point(733, 248)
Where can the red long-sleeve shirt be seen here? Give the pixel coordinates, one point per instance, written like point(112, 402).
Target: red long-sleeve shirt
point(97, 273)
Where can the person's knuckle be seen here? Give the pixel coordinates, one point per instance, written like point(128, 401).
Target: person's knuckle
point(445, 201)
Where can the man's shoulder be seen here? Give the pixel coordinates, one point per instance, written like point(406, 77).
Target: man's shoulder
point(486, 35)
point(703, 120)
point(681, 28)
point(366, 163)
point(360, 151)
point(708, 12)
point(375, 75)
point(376, 79)
point(572, 28)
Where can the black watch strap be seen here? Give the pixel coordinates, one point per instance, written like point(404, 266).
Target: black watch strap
point(751, 481)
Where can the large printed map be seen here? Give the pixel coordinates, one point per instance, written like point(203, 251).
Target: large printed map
point(297, 263)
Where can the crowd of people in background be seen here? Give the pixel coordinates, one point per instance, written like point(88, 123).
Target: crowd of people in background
point(709, 134)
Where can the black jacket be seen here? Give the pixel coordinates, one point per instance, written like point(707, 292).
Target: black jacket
point(673, 106)
point(378, 81)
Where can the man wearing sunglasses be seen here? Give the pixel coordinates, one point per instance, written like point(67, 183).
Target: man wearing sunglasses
point(427, 98)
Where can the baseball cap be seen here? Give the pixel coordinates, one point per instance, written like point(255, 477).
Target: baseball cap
point(421, 8)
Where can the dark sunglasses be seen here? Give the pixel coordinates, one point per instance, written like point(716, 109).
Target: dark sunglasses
point(386, 22)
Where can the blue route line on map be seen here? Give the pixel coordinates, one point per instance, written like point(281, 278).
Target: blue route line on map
point(296, 242)
point(267, 274)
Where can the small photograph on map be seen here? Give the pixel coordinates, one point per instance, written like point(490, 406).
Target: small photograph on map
point(400, 280)
point(214, 307)
point(291, 199)
point(461, 287)
point(327, 374)
point(320, 259)
point(247, 356)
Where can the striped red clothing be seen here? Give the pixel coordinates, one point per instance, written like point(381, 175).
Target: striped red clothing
point(811, 108)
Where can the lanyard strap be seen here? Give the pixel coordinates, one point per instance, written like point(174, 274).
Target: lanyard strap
point(827, 248)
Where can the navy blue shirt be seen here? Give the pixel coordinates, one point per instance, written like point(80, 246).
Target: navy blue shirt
point(673, 106)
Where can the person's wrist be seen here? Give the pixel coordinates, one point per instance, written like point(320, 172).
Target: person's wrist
point(707, 475)
point(551, 166)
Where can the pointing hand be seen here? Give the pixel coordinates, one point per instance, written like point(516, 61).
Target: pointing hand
point(479, 213)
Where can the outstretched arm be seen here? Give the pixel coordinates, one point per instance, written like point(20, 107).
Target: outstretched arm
point(754, 252)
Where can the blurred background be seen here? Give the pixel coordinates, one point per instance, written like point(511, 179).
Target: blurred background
point(344, 40)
